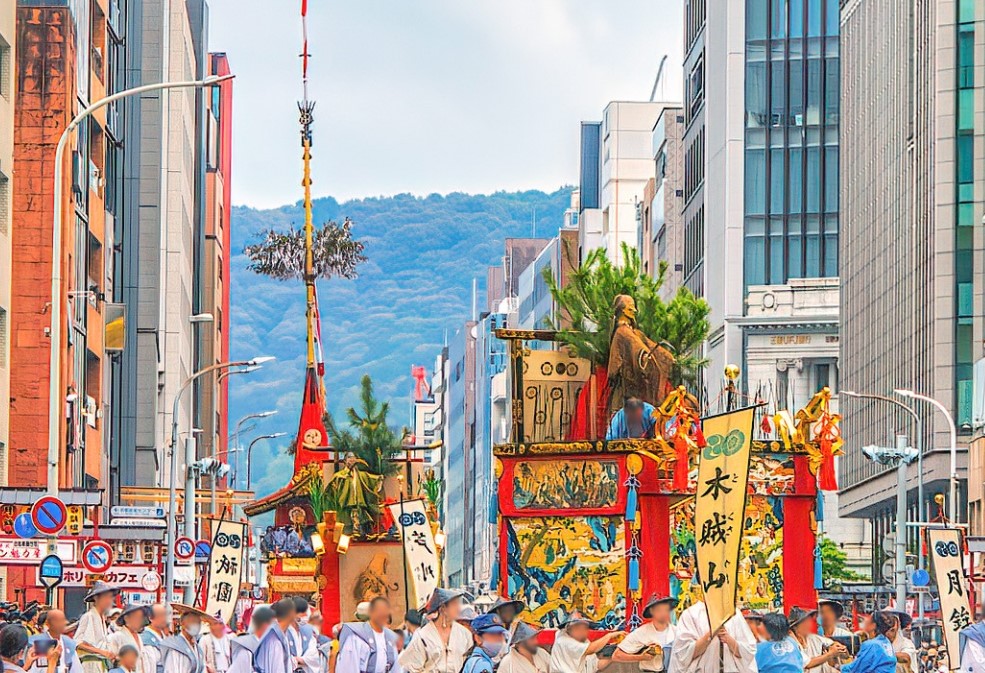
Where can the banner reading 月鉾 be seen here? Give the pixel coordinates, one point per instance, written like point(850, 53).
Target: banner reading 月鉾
point(947, 553)
point(225, 567)
point(420, 551)
point(723, 473)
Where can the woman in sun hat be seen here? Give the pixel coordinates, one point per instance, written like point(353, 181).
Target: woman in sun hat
point(442, 644)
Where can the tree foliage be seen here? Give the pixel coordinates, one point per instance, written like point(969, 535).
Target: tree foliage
point(584, 317)
point(834, 565)
point(281, 254)
point(368, 436)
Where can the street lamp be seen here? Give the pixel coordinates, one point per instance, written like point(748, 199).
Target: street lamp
point(918, 423)
point(953, 504)
point(249, 452)
point(899, 457)
point(215, 406)
point(55, 337)
point(190, 478)
point(238, 431)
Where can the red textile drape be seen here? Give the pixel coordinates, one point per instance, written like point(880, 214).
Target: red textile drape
point(581, 426)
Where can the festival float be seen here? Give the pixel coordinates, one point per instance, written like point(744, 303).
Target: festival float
point(345, 529)
point(596, 526)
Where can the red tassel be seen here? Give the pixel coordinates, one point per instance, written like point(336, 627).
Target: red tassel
point(765, 425)
point(681, 464)
point(699, 436)
point(826, 479)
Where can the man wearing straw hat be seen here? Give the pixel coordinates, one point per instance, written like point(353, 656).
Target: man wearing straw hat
point(91, 636)
point(818, 651)
point(525, 655)
point(441, 645)
point(573, 652)
point(650, 644)
point(133, 619)
point(182, 653)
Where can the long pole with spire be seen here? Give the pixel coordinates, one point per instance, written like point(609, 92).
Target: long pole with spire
point(306, 108)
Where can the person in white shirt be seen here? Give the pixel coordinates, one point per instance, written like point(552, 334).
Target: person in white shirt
point(244, 648)
point(303, 640)
point(697, 650)
point(650, 644)
point(573, 652)
point(131, 622)
point(831, 613)
point(273, 655)
point(182, 653)
point(369, 647)
point(54, 628)
point(217, 648)
point(525, 654)
point(91, 636)
point(820, 653)
point(156, 631)
point(906, 651)
point(441, 645)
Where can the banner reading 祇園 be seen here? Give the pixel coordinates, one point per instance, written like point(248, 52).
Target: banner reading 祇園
point(225, 566)
point(946, 551)
point(420, 552)
point(723, 473)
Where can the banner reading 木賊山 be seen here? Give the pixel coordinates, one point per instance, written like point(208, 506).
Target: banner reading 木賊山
point(946, 552)
point(225, 566)
point(420, 552)
point(723, 472)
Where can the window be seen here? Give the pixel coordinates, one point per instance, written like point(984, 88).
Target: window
point(831, 17)
point(755, 94)
point(778, 18)
point(4, 69)
point(796, 18)
point(830, 246)
point(755, 191)
point(813, 179)
point(795, 251)
point(3, 338)
point(796, 81)
point(831, 179)
point(813, 92)
point(832, 91)
point(812, 247)
point(778, 178)
point(814, 17)
point(696, 88)
point(754, 257)
point(778, 88)
point(756, 19)
point(777, 252)
point(796, 180)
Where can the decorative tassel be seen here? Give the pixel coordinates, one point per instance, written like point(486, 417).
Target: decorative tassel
point(494, 576)
point(494, 504)
point(818, 579)
point(632, 498)
point(681, 465)
point(826, 479)
point(819, 507)
point(765, 425)
point(635, 621)
point(634, 555)
point(699, 435)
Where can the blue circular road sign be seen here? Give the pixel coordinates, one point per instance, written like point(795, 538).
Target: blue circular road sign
point(920, 578)
point(24, 527)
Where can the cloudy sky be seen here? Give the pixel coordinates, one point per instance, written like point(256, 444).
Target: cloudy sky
point(428, 96)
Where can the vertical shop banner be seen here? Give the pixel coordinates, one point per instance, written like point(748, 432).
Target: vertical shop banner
point(946, 550)
point(225, 565)
point(420, 552)
point(723, 474)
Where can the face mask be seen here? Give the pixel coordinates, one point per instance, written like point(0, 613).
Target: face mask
point(193, 630)
point(492, 650)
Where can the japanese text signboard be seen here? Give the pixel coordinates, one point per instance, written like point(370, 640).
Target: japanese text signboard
point(419, 549)
point(723, 474)
point(118, 576)
point(14, 551)
point(225, 565)
point(946, 550)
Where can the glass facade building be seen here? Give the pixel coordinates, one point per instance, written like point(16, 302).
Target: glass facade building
point(792, 77)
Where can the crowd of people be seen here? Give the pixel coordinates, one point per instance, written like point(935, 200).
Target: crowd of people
point(448, 636)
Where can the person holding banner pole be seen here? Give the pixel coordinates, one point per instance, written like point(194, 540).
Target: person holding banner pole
point(876, 654)
point(731, 649)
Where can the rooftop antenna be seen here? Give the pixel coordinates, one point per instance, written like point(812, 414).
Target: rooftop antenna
point(659, 81)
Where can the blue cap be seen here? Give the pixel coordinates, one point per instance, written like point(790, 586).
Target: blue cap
point(488, 623)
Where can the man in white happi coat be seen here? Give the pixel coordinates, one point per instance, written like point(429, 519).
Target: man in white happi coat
point(369, 647)
point(650, 645)
point(131, 623)
point(156, 631)
point(181, 653)
point(573, 652)
point(525, 654)
point(442, 644)
point(698, 650)
point(217, 648)
point(907, 660)
point(303, 639)
point(244, 648)
point(54, 628)
point(92, 636)
point(273, 655)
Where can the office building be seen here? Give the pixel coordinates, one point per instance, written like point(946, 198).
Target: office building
point(8, 21)
point(913, 165)
point(616, 163)
point(535, 307)
point(166, 245)
point(661, 231)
